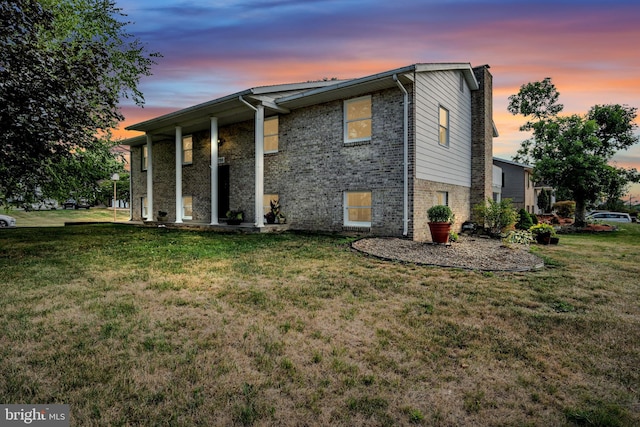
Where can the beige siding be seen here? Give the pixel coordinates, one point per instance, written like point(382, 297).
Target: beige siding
point(449, 165)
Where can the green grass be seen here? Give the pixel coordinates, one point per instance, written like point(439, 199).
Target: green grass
point(152, 326)
point(57, 218)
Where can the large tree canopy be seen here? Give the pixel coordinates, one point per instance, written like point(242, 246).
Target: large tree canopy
point(64, 65)
point(572, 153)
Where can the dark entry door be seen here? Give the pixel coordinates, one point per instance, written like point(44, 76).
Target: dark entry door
point(223, 190)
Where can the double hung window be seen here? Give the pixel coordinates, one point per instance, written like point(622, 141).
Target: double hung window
point(357, 208)
point(187, 207)
point(187, 150)
point(444, 127)
point(271, 135)
point(357, 119)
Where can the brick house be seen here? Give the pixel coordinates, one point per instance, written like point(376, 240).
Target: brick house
point(370, 154)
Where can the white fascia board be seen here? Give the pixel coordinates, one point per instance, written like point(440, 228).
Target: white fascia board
point(134, 141)
point(465, 67)
point(269, 103)
point(180, 115)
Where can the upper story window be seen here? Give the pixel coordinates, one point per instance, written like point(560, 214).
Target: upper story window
point(357, 208)
point(357, 119)
point(443, 120)
point(145, 157)
point(271, 134)
point(187, 150)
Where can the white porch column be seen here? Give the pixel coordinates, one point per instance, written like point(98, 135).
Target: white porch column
point(178, 174)
point(149, 179)
point(259, 166)
point(214, 171)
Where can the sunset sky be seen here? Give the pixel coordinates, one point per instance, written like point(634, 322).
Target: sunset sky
point(213, 48)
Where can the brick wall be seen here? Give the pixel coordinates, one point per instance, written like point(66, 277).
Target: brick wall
point(313, 168)
point(426, 197)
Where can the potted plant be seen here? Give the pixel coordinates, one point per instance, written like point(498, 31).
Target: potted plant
point(235, 217)
point(162, 216)
point(440, 219)
point(272, 215)
point(543, 233)
point(275, 216)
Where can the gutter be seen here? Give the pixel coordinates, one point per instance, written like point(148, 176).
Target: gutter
point(405, 128)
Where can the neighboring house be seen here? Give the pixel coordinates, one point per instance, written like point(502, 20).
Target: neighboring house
point(518, 185)
point(496, 187)
point(370, 154)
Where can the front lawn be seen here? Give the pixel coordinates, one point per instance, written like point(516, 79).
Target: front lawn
point(153, 327)
point(57, 218)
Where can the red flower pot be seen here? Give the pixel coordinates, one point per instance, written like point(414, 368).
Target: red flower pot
point(440, 231)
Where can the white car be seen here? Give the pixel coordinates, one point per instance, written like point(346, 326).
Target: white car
point(609, 217)
point(7, 221)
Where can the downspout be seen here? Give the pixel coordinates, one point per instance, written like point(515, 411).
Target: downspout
point(405, 128)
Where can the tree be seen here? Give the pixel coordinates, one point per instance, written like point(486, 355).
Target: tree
point(64, 65)
point(524, 220)
point(544, 200)
point(572, 153)
point(81, 174)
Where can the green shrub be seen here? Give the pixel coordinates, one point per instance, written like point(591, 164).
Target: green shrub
point(497, 216)
point(440, 213)
point(542, 228)
point(525, 222)
point(565, 209)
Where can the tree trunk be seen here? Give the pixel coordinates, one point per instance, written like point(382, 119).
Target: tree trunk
point(580, 212)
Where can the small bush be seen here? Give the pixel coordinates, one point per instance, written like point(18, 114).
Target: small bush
point(440, 213)
point(565, 209)
point(542, 228)
point(525, 222)
point(497, 216)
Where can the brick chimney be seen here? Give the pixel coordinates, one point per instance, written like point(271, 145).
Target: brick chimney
point(482, 137)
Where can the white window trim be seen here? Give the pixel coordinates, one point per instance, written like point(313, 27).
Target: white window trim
point(183, 150)
point(345, 213)
point(264, 137)
point(448, 126)
point(346, 122)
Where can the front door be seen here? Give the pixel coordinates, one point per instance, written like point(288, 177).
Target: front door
point(223, 190)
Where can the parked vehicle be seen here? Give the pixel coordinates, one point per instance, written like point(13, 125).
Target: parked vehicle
point(76, 204)
point(609, 217)
point(7, 221)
